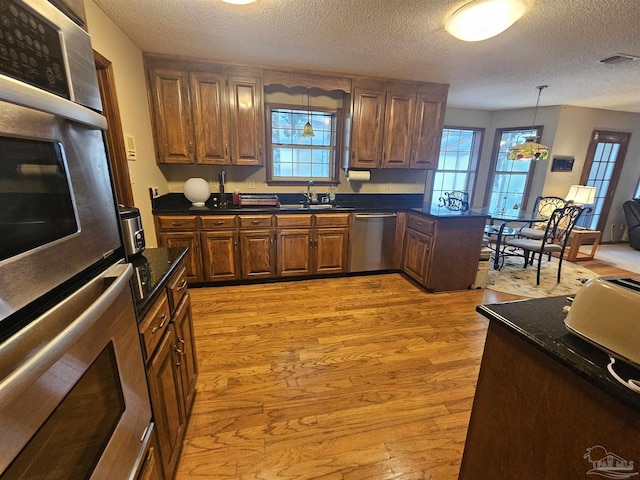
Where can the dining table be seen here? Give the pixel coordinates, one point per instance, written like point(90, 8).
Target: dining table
point(498, 226)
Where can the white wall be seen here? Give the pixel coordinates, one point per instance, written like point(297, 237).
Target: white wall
point(108, 40)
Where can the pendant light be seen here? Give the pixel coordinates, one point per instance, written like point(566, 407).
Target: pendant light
point(307, 131)
point(530, 149)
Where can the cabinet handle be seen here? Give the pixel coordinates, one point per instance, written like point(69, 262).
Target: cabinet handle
point(181, 340)
point(177, 224)
point(353, 154)
point(219, 222)
point(163, 320)
point(226, 150)
point(182, 285)
point(260, 150)
point(419, 224)
point(413, 156)
point(190, 148)
point(255, 222)
point(180, 353)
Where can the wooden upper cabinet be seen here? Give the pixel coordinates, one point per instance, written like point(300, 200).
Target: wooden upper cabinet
point(206, 113)
point(396, 124)
point(208, 94)
point(246, 112)
point(173, 124)
point(427, 133)
point(398, 128)
point(366, 136)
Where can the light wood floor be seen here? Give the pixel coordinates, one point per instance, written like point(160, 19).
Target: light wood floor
point(348, 378)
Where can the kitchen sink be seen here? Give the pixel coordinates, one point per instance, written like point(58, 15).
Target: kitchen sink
point(316, 206)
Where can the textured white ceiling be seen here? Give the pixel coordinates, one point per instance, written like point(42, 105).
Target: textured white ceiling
point(557, 43)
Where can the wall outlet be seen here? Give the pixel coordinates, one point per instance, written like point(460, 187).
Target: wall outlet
point(155, 191)
point(388, 185)
point(250, 184)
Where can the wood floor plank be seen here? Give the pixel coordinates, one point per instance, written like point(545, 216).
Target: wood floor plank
point(364, 377)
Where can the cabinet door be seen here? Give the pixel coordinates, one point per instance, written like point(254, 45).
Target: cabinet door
point(416, 256)
point(192, 261)
point(209, 100)
point(219, 255)
point(398, 129)
point(188, 367)
point(428, 130)
point(366, 136)
point(172, 116)
point(166, 399)
point(331, 249)
point(257, 253)
point(246, 115)
point(294, 252)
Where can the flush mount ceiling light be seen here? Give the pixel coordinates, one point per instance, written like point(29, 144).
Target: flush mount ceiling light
point(530, 149)
point(482, 19)
point(239, 2)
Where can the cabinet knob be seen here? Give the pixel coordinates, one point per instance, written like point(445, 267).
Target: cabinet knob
point(177, 224)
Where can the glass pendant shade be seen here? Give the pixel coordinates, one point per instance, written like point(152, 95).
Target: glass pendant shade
point(529, 150)
point(307, 131)
point(482, 19)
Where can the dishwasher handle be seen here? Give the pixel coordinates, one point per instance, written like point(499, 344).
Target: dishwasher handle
point(375, 215)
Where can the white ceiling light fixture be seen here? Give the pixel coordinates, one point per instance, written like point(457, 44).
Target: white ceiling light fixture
point(482, 19)
point(239, 2)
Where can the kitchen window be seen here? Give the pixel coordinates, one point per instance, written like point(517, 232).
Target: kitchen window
point(294, 159)
point(459, 153)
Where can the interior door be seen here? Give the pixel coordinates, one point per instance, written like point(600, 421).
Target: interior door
point(602, 168)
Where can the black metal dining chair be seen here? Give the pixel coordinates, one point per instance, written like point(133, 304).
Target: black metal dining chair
point(554, 239)
point(544, 206)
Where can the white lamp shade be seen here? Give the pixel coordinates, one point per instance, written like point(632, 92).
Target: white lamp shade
point(581, 194)
point(482, 19)
point(197, 191)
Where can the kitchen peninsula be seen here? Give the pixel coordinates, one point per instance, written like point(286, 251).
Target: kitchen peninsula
point(437, 247)
point(541, 383)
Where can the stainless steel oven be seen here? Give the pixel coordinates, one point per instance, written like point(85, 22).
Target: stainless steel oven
point(74, 402)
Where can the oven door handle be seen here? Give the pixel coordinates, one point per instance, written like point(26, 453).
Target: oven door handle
point(26, 373)
point(14, 91)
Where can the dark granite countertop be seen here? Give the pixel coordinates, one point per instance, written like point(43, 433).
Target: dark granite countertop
point(151, 270)
point(540, 322)
point(177, 204)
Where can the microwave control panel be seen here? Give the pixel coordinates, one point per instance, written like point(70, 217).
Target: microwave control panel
point(31, 49)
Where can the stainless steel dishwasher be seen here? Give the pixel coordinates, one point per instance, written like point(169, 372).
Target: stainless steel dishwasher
point(373, 241)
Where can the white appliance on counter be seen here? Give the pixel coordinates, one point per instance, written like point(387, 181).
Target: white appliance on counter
point(606, 313)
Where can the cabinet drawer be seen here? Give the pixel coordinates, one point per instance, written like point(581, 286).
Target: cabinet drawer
point(332, 219)
point(176, 288)
point(421, 224)
point(218, 221)
point(293, 220)
point(178, 222)
point(155, 323)
point(252, 221)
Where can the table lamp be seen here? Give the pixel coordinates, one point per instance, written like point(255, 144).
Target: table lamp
point(581, 195)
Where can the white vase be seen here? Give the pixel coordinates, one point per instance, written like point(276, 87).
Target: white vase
point(197, 191)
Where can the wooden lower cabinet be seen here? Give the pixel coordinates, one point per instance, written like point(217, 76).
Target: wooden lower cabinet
point(188, 240)
point(171, 367)
point(417, 248)
point(331, 250)
point(220, 255)
point(442, 253)
point(258, 254)
point(294, 252)
point(167, 400)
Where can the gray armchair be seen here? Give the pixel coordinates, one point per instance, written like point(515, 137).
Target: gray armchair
point(632, 215)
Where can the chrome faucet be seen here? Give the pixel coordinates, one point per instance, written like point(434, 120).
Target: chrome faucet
point(307, 196)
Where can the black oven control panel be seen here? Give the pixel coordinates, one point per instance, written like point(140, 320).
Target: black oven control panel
point(31, 49)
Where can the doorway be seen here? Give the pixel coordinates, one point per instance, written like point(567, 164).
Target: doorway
point(603, 164)
point(114, 137)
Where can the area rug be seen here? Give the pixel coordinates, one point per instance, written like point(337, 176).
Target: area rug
point(512, 278)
